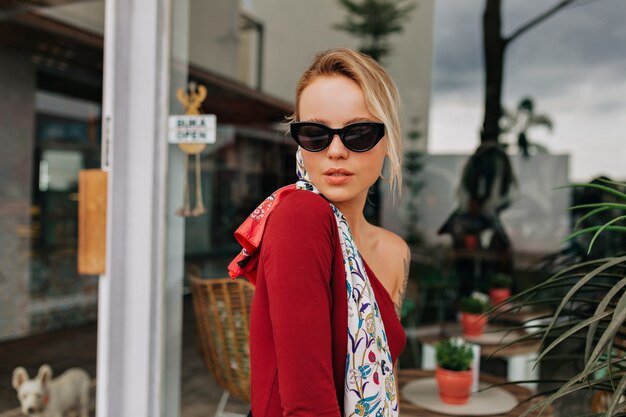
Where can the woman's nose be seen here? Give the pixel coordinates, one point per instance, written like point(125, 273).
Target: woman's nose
point(337, 149)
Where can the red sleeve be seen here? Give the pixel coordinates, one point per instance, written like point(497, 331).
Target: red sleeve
point(297, 256)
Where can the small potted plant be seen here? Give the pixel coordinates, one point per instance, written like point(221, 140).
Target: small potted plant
point(454, 373)
point(500, 288)
point(473, 319)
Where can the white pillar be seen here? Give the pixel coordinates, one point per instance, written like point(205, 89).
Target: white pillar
point(175, 225)
point(132, 330)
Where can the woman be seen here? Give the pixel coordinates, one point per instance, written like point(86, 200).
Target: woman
point(324, 326)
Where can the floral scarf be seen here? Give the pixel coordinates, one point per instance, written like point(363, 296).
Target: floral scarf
point(370, 387)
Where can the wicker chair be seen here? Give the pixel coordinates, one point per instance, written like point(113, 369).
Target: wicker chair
point(222, 311)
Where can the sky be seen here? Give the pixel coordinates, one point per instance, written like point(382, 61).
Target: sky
point(573, 65)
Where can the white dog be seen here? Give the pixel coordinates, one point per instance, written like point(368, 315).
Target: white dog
point(47, 397)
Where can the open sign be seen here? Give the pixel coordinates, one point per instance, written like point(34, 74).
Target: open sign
point(192, 129)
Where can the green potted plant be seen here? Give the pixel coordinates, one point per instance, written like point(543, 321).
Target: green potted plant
point(473, 309)
point(453, 372)
point(589, 303)
point(500, 288)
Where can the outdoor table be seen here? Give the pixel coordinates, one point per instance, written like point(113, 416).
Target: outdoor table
point(520, 357)
point(524, 316)
point(408, 409)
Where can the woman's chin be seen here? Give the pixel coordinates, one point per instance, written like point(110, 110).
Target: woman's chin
point(338, 196)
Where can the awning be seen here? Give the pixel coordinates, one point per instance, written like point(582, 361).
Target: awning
point(70, 62)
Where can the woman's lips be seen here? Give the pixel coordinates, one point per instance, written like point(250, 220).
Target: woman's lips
point(337, 177)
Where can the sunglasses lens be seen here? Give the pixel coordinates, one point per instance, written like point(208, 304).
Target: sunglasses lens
point(361, 138)
point(310, 137)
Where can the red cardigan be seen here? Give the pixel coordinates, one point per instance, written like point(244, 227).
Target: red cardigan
point(299, 318)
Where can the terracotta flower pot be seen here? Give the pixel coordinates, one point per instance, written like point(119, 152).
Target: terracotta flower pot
point(454, 386)
point(497, 295)
point(473, 324)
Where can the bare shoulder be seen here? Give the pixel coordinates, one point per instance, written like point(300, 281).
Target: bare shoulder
point(396, 251)
point(393, 246)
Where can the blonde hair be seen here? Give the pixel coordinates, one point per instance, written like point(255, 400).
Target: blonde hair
point(381, 97)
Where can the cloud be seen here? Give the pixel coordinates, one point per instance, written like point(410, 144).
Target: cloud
point(578, 40)
point(573, 65)
point(457, 45)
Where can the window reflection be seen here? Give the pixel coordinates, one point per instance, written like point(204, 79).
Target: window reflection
point(67, 139)
point(238, 172)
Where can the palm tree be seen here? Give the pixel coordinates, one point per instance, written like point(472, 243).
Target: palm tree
point(490, 162)
point(373, 21)
point(495, 44)
point(488, 178)
point(521, 121)
point(589, 300)
point(413, 165)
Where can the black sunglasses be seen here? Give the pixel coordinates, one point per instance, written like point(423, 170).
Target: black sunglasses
point(358, 137)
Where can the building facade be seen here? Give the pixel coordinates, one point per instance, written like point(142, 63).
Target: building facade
point(90, 85)
point(249, 54)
